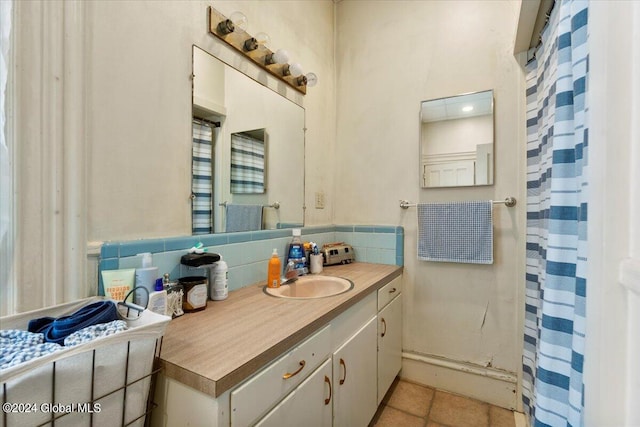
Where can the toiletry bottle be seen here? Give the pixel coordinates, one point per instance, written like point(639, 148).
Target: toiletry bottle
point(296, 253)
point(158, 299)
point(219, 281)
point(145, 276)
point(273, 275)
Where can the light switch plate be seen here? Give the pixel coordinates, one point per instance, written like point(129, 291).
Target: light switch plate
point(319, 200)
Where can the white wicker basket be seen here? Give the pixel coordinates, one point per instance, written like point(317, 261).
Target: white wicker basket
point(104, 382)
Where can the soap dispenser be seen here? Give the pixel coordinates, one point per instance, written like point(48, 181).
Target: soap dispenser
point(297, 254)
point(273, 273)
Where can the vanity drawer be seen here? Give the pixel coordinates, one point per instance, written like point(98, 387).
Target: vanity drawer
point(260, 393)
point(389, 292)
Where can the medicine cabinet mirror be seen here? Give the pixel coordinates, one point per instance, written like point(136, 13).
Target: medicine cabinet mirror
point(456, 141)
point(247, 151)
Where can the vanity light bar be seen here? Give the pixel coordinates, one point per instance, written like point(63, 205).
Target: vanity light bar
point(508, 202)
point(237, 37)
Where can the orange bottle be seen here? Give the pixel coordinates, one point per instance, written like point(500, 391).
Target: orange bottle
point(273, 275)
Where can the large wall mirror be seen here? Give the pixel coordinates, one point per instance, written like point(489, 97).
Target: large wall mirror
point(456, 141)
point(248, 152)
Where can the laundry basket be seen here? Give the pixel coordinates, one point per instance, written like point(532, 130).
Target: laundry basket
point(104, 382)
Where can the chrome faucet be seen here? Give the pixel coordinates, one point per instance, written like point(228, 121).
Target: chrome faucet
point(290, 273)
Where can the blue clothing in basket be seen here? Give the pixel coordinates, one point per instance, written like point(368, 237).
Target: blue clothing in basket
point(96, 331)
point(18, 346)
point(56, 330)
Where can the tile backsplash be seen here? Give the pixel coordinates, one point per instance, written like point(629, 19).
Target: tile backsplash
point(247, 253)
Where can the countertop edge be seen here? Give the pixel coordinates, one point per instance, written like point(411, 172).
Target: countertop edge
point(215, 388)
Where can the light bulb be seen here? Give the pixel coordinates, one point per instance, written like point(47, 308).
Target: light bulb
point(262, 38)
point(312, 79)
point(239, 21)
point(281, 56)
point(467, 108)
point(295, 69)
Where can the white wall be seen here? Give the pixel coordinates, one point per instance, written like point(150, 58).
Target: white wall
point(390, 56)
point(611, 372)
point(456, 136)
point(139, 105)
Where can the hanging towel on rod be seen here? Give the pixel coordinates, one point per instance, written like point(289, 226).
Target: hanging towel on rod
point(456, 232)
point(243, 217)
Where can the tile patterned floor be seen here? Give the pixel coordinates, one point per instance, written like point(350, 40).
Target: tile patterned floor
point(408, 405)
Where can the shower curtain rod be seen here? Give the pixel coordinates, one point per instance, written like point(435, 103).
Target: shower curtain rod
point(547, 16)
point(509, 202)
point(207, 122)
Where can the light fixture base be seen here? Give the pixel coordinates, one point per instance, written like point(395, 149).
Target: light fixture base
point(237, 39)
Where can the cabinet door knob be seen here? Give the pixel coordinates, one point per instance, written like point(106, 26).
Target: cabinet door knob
point(385, 327)
point(293, 374)
point(392, 290)
point(328, 381)
point(344, 365)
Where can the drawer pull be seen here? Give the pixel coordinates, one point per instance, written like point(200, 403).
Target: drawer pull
point(344, 365)
point(293, 374)
point(392, 290)
point(385, 327)
point(328, 381)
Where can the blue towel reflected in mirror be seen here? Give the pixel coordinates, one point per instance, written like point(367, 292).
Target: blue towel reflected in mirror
point(243, 217)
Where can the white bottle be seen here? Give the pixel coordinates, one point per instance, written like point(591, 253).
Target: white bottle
point(219, 281)
point(146, 277)
point(158, 299)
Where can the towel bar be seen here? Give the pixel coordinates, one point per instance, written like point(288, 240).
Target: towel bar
point(274, 205)
point(508, 202)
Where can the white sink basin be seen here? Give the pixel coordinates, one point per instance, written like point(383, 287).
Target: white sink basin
point(307, 287)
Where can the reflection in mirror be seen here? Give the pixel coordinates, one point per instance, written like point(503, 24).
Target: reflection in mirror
point(203, 132)
point(248, 162)
point(252, 140)
point(456, 141)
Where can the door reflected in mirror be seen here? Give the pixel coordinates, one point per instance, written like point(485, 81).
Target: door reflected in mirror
point(248, 151)
point(457, 141)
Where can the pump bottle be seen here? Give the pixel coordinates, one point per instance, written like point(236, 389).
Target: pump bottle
point(219, 286)
point(158, 299)
point(296, 253)
point(273, 274)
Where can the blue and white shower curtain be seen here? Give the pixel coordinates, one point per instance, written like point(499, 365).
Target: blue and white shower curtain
point(557, 190)
point(247, 164)
point(202, 179)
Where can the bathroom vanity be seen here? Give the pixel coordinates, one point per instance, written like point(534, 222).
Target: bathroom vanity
point(255, 359)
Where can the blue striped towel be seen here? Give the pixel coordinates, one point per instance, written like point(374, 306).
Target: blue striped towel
point(456, 232)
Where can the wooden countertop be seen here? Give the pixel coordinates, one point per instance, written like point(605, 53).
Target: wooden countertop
point(215, 349)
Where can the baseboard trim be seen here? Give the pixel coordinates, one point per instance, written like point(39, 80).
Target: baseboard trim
point(486, 384)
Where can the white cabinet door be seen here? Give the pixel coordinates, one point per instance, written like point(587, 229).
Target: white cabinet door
point(307, 405)
point(354, 379)
point(389, 345)
point(253, 399)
